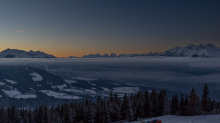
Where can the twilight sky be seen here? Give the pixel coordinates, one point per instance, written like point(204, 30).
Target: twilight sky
point(79, 27)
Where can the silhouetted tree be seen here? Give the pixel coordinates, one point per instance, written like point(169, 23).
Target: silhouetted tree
point(193, 102)
point(147, 105)
point(205, 99)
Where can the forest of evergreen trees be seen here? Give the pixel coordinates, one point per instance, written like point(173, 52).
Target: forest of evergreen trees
point(140, 105)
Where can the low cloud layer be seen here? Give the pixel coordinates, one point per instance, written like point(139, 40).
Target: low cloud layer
point(201, 70)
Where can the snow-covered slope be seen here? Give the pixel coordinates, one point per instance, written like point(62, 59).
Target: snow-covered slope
point(14, 53)
point(29, 86)
point(186, 119)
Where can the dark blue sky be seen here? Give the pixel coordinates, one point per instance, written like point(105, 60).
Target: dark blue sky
point(77, 27)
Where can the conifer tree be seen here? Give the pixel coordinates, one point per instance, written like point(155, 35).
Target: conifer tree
point(79, 113)
point(153, 98)
point(66, 115)
point(35, 115)
point(45, 114)
point(30, 116)
point(51, 115)
point(177, 104)
point(115, 113)
point(147, 106)
point(209, 106)
point(182, 108)
point(40, 115)
point(193, 102)
point(2, 115)
point(88, 114)
point(172, 106)
point(125, 108)
point(115, 98)
point(162, 97)
point(205, 98)
point(104, 112)
point(111, 98)
point(139, 109)
point(186, 107)
point(97, 114)
point(213, 105)
point(14, 118)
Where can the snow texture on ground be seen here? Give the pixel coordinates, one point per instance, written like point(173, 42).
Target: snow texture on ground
point(93, 84)
point(1, 83)
point(10, 81)
point(60, 86)
point(90, 91)
point(105, 89)
point(17, 94)
point(187, 119)
point(31, 89)
point(86, 78)
point(73, 90)
point(120, 95)
point(70, 81)
point(59, 95)
point(36, 76)
point(125, 90)
point(25, 96)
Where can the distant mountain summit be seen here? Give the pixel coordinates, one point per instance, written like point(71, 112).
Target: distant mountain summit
point(202, 50)
point(15, 53)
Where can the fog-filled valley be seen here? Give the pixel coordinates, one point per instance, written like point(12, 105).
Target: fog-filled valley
point(85, 78)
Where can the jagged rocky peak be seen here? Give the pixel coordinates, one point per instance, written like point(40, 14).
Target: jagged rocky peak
point(15, 53)
point(105, 55)
point(191, 46)
point(113, 55)
point(207, 45)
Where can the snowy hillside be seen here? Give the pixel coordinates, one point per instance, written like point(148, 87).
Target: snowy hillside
point(202, 50)
point(29, 86)
point(14, 53)
point(186, 119)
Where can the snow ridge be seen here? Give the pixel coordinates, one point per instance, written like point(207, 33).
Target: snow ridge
point(15, 53)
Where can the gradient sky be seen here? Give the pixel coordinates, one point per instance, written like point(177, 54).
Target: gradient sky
point(79, 27)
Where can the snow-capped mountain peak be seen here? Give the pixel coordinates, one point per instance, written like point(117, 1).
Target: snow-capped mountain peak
point(15, 53)
point(201, 50)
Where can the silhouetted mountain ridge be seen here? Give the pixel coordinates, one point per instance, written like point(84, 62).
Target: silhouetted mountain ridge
point(191, 50)
point(15, 53)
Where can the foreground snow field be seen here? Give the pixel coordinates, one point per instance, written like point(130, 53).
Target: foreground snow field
point(187, 119)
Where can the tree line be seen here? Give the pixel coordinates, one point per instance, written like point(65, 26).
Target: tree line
point(129, 108)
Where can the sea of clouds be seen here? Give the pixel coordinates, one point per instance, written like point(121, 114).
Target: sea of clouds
point(174, 73)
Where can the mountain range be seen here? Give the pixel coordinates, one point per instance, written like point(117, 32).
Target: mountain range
point(202, 50)
point(15, 53)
